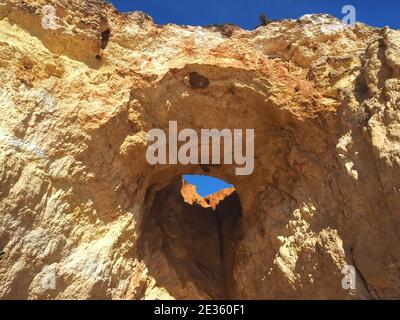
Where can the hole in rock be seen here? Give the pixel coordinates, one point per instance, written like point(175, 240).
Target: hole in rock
point(105, 36)
point(188, 242)
point(197, 81)
point(206, 185)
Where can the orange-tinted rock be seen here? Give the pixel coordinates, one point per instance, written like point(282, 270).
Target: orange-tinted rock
point(79, 200)
point(190, 195)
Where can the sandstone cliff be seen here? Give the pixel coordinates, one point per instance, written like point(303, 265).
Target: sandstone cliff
point(79, 200)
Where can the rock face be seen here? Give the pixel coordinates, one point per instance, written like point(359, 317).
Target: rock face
point(84, 215)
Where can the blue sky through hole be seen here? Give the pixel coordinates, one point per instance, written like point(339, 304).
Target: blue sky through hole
point(245, 12)
point(206, 185)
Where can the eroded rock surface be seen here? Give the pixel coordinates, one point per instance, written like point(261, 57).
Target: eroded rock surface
point(78, 198)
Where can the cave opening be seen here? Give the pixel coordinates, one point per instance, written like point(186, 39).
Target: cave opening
point(188, 242)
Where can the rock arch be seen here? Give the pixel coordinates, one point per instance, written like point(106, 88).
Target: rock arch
point(324, 192)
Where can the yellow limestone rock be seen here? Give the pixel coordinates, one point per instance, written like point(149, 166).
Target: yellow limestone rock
point(82, 213)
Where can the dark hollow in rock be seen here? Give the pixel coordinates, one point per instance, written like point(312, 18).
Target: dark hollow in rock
point(198, 244)
point(105, 36)
point(197, 81)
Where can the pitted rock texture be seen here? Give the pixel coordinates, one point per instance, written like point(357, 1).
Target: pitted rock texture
point(78, 198)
